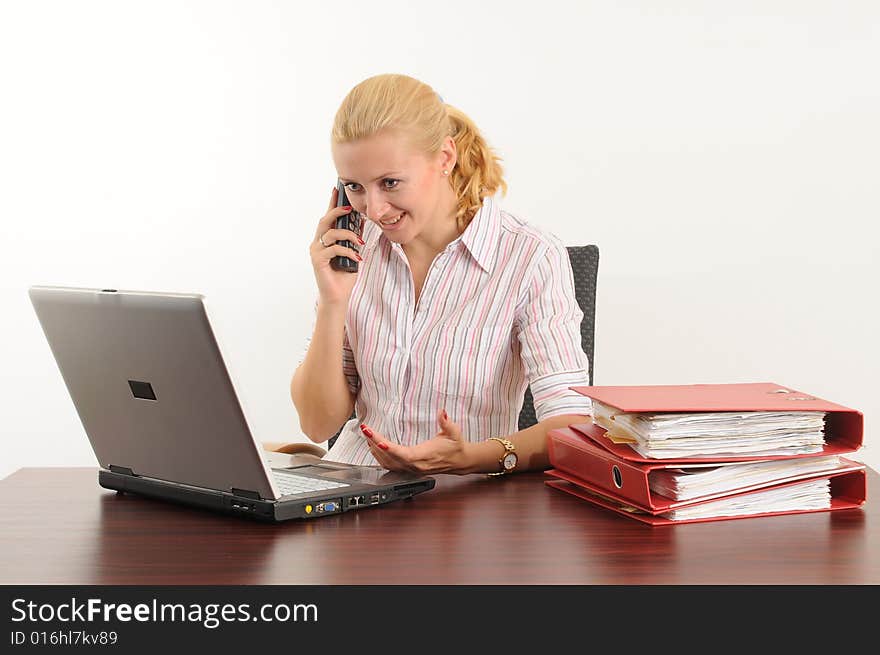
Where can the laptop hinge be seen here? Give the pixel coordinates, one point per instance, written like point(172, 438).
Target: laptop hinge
point(253, 495)
point(122, 470)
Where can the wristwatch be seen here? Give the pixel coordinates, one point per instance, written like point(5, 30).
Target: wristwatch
point(508, 459)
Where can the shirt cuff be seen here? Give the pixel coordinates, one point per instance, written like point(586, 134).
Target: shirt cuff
point(552, 395)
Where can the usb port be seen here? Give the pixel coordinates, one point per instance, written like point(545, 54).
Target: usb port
point(374, 498)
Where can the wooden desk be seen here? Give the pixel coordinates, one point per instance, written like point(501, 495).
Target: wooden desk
point(57, 526)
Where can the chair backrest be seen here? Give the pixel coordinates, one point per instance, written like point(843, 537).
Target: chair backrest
point(585, 267)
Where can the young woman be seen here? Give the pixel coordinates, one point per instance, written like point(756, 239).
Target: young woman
point(456, 308)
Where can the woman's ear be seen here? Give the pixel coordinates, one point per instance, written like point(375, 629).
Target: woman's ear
point(448, 154)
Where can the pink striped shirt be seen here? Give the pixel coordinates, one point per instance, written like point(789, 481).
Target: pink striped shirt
point(497, 313)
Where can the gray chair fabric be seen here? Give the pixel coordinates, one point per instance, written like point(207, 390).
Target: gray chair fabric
point(585, 267)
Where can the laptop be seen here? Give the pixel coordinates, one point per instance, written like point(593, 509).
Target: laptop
point(155, 398)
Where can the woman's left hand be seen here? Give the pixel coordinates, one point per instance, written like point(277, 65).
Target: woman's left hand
point(446, 452)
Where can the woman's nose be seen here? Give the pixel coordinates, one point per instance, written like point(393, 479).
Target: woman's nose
point(376, 208)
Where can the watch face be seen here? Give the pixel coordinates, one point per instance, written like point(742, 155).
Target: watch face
point(509, 461)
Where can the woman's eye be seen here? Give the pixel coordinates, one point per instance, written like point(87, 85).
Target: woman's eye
point(388, 183)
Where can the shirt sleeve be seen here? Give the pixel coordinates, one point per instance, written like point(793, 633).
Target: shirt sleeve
point(348, 365)
point(349, 369)
point(549, 333)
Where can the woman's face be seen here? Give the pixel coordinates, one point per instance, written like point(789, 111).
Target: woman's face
point(401, 190)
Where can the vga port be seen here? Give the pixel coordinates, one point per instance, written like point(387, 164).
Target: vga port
point(328, 506)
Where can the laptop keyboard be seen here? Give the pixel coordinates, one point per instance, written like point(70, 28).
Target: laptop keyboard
point(292, 483)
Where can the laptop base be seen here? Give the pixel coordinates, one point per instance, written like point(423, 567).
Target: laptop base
point(262, 510)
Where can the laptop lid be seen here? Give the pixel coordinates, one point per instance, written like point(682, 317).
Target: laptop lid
point(151, 388)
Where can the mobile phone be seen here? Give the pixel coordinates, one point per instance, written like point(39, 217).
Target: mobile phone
point(350, 221)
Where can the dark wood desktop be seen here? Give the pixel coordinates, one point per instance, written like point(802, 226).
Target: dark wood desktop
point(59, 527)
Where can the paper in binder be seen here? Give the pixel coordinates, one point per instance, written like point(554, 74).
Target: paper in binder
point(720, 421)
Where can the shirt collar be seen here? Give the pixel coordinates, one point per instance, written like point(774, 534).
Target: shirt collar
point(481, 236)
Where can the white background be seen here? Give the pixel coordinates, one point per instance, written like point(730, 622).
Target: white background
point(723, 156)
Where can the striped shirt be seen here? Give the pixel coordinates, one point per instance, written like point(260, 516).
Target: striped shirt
point(497, 313)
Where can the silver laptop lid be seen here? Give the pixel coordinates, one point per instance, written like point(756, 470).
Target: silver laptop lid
point(149, 383)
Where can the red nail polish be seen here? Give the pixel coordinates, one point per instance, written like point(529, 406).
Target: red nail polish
point(445, 415)
point(367, 431)
point(383, 445)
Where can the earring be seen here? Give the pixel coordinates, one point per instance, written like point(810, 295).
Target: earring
point(446, 172)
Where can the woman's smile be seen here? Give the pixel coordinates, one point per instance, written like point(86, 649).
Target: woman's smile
point(392, 223)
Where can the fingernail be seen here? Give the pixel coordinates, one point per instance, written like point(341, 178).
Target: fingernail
point(361, 241)
point(382, 445)
point(445, 415)
point(346, 207)
point(359, 258)
point(367, 431)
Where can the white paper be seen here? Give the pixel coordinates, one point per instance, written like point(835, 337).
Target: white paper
point(804, 496)
point(696, 482)
point(710, 434)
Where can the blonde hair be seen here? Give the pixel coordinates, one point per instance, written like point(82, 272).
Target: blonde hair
point(402, 102)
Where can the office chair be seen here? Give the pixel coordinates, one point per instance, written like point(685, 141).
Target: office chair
point(585, 268)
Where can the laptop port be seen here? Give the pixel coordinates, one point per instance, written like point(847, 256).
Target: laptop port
point(328, 506)
point(410, 489)
point(354, 501)
point(374, 499)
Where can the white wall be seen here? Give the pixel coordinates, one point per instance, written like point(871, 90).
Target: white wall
point(725, 160)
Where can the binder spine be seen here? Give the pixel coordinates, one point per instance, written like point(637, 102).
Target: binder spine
point(573, 456)
point(844, 429)
point(850, 488)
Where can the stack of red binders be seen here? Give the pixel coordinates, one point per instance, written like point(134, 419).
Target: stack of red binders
point(608, 463)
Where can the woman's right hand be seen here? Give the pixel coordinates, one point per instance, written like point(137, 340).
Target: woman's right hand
point(334, 287)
